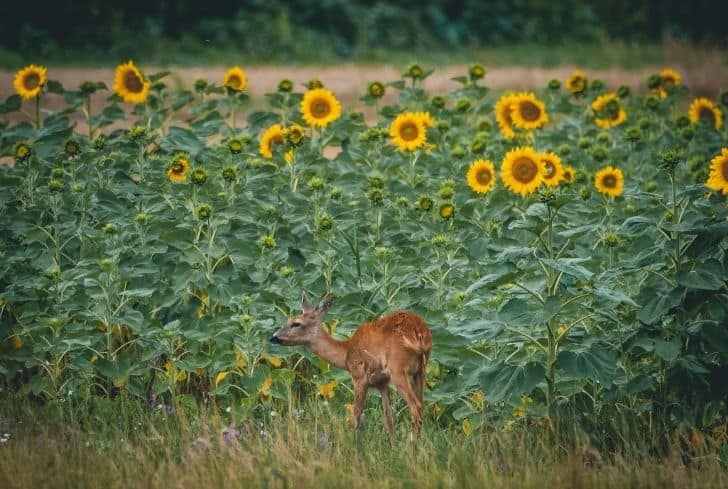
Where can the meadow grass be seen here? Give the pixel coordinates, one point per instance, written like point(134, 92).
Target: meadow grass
point(121, 443)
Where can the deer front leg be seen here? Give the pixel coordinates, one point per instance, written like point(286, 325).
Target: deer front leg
point(387, 408)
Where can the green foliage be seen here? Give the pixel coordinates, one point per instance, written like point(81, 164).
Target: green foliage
point(117, 280)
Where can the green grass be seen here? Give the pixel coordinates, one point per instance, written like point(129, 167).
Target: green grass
point(122, 444)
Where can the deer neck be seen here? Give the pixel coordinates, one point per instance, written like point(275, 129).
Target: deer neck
point(330, 349)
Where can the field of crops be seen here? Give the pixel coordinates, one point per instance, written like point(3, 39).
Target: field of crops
point(566, 246)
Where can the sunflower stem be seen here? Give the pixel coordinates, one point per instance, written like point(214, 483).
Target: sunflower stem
point(37, 111)
point(676, 219)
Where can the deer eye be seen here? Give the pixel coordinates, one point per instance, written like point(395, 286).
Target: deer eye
point(295, 324)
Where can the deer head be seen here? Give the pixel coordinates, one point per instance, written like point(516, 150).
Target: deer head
point(305, 328)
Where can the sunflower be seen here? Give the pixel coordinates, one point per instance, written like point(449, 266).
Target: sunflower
point(481, 176)
point(177, 170)
point(447, 211)
point(607, 111)
point(669, 79)
point(272, 135)
point(319, 107)
point(609, 181)
point(553, 171)
point(718, 179)
point(294, 134)
point(235, 79)
point(528, 112)
point(703, 109)
point(130, 85)
point(576, 83)
point(30, 81)
point(426, 119)
point(522, 170)
point(569, 175)
point(503, 115)
point(408, 131)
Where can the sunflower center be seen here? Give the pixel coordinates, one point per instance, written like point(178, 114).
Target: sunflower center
point(234, 81)
point(706, 113)
point(31, 81)
point(483, 176)
point(724, 168)
point(550, 169)
point(178, 168)
point(409, 131)
point(609, 181)
point(524, 170)
point(568, 176)
point(320, 108)
point(133, 82)
point(277, 139)
point(530, 111)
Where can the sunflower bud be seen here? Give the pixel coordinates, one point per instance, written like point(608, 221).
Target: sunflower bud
point(682, 121)
point(383, 252)
point(229, 174)
point(235, 145)
point(315, 183)
point(447, 211)
point(109, 228)
point(438, 240)
point(198, 176)
point(494, 226)
point(376, 196)
point(22, 152)
point(295, 135)
point(58, 172)
point(446, 192)
point(651, 186)
point(457, 151)
point(335, 193)
point(426, 203)
point(77, 188)
point(376, 182)
point(584, 142)
point(624, 91)
point(88, 88)
point(204, 212)
point(652, 102)
point(546, 194)
point(644, 123)
point(654, 82)
point(597, 85)
point(668, 160)
point(402, 201)
point(438, 102)
point(603, 137)
point(99, 143)
point(376, 89)
point(55, 185)
point(554, 84)
point(633, 134)
point(137, 133)
point(314, 83)
point(600, 153)
point(324, 223)
point(200, 85)
point(286, 271)
point(285, 85)
point(611, 239)
point(564, 149)
point(477, 146)
point(687, 133)
point(414, 71)
point(462, 104)
point(71, 148)
point(267, 241)
point(141, 218)
point(107, 265)
point(585, 193)
point(476, 71)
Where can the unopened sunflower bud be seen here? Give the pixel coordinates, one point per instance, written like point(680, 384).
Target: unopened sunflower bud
point(476, 71)
point(285, 85)
point(462, 104)
point(376, 89)
point(654, 81)
point(438, 102)
point(204, 212)
point(623, 91)
point(229, 174)
point(554, 84)
point(198, 176)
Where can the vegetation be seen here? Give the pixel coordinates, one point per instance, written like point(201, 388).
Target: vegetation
point(567, 248)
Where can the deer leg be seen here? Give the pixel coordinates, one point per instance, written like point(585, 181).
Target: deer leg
point(387, 408)
point(404, 387)
point(360, 397)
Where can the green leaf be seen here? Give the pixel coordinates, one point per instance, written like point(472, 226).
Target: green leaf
point(570, 266)
point(183, 139)
point(502, 381)
point(700, 279)
point(597, 363)
point(657, 304)
point(668, 350)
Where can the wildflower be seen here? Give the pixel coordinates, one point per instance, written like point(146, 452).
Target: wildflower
point(328, 390)
point(29, 81)
point(481, 176)
point(130, 84)
point(522, 170)
point(609, 181)
point(319, 107)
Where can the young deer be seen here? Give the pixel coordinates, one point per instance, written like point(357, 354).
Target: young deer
point(393, 348)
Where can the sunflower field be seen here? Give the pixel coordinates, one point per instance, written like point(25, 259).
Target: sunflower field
point(567, 246)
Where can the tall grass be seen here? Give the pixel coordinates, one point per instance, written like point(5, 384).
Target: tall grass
point(123, 444)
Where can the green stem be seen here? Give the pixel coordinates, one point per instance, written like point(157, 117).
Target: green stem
point(676, 219)
point(37, 111)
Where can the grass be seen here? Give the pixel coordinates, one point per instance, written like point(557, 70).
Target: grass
point(119, 443)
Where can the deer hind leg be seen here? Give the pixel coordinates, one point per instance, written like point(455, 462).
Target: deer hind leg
point(419, 380)
point(360, 397)
point(387, 408)
point(401, 380)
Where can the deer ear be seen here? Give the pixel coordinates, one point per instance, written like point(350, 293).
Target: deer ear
point(325, 304)
point(305, 303)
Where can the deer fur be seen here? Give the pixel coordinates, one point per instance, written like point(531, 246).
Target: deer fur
point(394, 348)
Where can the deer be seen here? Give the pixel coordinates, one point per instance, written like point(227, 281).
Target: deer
point(394, 348)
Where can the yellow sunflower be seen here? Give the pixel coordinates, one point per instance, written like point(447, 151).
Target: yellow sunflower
point(704, 109)
point(503, 115)
point(319, 107)
point(130, 85)
point(553, 171)
point(272, 135)
point(576, 83)
point(30, 81)
point(235, 79)
point(522, 170)
point(607, 111)
point(481, 176)
point(669, 79)
point(718, 178)
point(408, 131)
point(569, 174)
point(177, 171)
point(609, 181)
point(528, 112)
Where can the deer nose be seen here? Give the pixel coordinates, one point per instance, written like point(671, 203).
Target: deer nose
point(275, 339)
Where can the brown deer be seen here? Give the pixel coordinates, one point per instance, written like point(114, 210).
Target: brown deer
point(394, 348)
